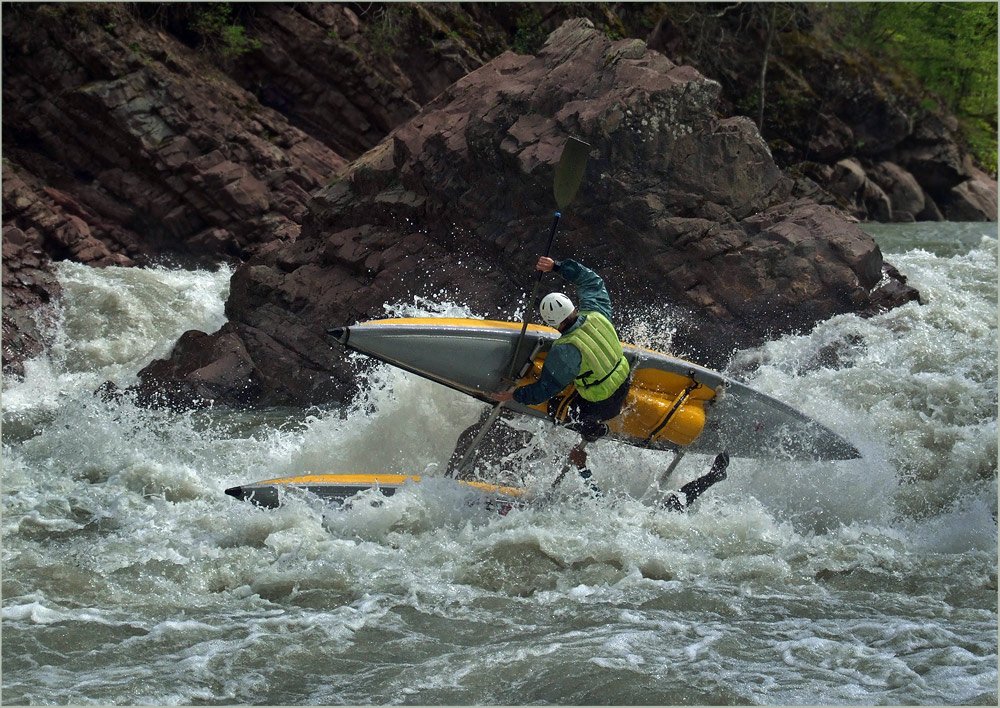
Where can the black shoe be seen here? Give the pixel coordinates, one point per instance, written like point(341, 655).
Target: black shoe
point(718, 471)
point(694, 489)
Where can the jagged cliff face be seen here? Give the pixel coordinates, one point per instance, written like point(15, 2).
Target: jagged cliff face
point(124, 142)
point(855, 134)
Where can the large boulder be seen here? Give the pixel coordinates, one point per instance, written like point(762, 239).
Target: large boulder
point(975, 199)
point(680, 210)
point(931, 153)
point(201, 369)
point(859, 195)
point(904, 192)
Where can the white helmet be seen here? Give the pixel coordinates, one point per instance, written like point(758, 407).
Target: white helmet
point(555, 308)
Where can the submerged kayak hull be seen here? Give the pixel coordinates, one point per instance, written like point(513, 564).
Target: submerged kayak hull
point(339, 488)
point(673, 404)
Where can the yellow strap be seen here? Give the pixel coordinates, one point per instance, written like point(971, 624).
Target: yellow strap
point(674, 407)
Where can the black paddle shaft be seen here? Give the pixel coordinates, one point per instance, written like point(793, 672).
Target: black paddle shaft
point(569, 175)
point(531, 304)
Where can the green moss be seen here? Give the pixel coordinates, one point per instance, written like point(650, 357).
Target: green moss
point(213, 22)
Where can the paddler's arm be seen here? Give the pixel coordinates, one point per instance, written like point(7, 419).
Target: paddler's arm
point(558, 372)
point(590, 288)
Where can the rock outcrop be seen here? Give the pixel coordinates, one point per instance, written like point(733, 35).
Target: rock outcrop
point(128, 138)
point(132, 142)
point(825, 106)
point(162, 156)
point(680, 209)
point(121, 146)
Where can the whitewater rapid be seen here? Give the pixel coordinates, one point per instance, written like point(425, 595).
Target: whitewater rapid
point(130, 578)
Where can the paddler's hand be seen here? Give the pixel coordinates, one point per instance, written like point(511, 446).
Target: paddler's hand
point(545, 264)
point(501, 396)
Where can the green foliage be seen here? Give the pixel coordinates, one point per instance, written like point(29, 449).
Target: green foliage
point(214, 23)
point(614, 33)
point(982, 138)
point(384, 25)
point(235, 41)
point(530, 34)
point(951, 47)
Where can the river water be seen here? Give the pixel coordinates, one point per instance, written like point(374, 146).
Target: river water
point(130, 578)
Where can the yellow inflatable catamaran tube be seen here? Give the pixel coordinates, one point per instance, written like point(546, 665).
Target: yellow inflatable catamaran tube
point(661, 407)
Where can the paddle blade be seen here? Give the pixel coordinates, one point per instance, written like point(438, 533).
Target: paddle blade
point(569, 171)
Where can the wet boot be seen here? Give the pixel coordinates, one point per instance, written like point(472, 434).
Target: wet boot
point(693, 490)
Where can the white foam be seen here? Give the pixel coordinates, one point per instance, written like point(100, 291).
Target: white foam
point(114, 517)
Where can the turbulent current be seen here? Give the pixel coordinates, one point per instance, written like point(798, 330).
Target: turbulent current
point(130, 578)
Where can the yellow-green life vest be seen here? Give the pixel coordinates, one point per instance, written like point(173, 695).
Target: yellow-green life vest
point(603, 366)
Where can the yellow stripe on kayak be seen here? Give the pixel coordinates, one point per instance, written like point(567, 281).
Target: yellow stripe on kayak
point(343, 479)
point(461, 322)
point(381, 479)
point(494, 488)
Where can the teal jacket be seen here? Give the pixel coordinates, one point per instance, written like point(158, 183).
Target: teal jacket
point(563, 363)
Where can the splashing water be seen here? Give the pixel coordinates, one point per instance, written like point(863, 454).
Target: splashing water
point(112, 322)
point(130, 578)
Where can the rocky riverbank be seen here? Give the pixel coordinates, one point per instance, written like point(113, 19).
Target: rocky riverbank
point(342, 173)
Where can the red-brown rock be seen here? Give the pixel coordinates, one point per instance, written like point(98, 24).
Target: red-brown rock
point(680, 208)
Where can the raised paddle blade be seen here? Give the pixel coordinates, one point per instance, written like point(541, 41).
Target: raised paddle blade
point(569, 171)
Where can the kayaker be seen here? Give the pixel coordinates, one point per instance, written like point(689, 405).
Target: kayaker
point(588, 354)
